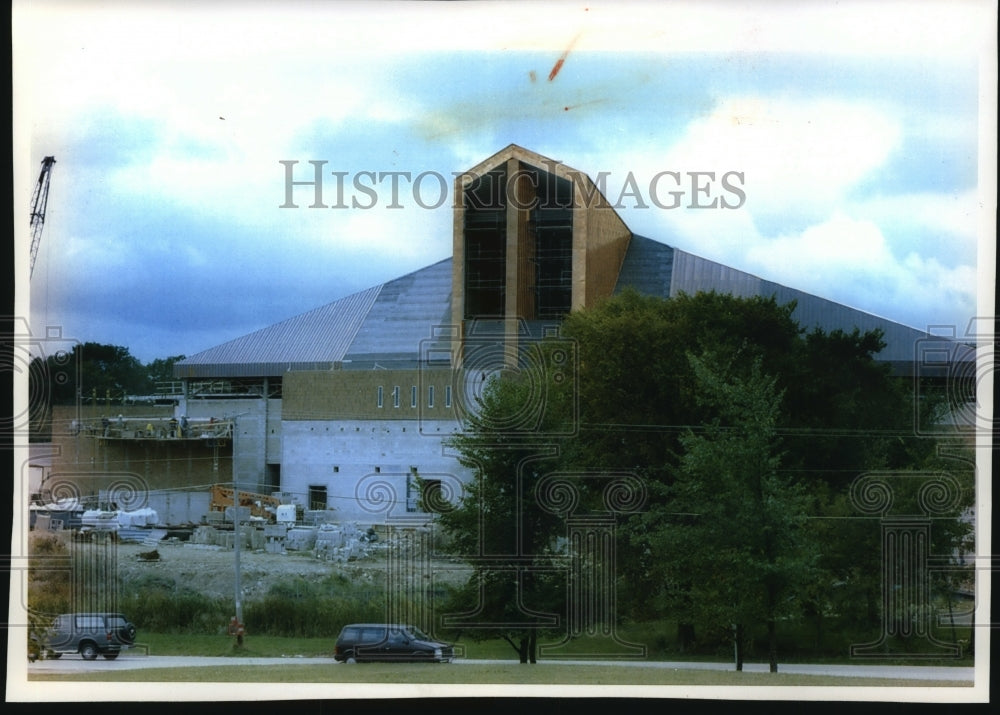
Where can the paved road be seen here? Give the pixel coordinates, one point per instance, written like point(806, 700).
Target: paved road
point(129, 661)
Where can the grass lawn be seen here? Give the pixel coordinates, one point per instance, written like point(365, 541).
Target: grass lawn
point(275, 646)
point(502, 674)
point(545, 673)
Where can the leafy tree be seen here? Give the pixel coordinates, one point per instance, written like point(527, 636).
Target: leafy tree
point(110, 370)
point(744, 550)
point(160, 370)
point(647, 408)
point(846, 415)
point(843, 414)
point(91, 371)
point(638, 395)
point(515, 590)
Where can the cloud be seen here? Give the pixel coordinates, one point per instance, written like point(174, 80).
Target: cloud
point(823, 254)
point(799, 157)
point(168, 127)
point(849, 260)
point(942, 224)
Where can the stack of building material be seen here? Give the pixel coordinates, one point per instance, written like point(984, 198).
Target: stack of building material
point(301, 538)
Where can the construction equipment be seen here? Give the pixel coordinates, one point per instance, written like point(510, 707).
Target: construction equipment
point(39, 202)
point(260, 505)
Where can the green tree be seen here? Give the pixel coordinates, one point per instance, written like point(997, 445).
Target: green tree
point(638, 395)
point(106, 374)
point(160, 370)
point(843, 414)
point(108, 371)
point(744, 549)
point(515, 591)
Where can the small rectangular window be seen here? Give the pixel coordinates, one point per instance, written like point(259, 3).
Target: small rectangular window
point(379, 395)
point(395, 396)
point(89, 623)
point(317, 496)
point(447, 395)
point(413, 396)
point(430, 395)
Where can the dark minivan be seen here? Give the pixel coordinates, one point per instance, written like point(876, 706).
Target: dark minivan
point(389, 642)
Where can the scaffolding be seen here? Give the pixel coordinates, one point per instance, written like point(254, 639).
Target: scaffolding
point(210, 430)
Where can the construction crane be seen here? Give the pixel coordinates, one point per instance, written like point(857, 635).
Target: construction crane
point(39, 201)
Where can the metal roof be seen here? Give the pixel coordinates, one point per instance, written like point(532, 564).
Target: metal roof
point(406, 312)
point(317, 338)
point(382, 324)
point(654, 268)
point(391, 324)
point(388, 325)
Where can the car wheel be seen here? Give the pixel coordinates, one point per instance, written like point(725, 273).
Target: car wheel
point(110, 656)
point(88, 651)
point(351, 659)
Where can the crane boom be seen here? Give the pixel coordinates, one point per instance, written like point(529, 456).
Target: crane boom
point(39, 202)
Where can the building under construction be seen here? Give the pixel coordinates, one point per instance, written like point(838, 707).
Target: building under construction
point(347, 407)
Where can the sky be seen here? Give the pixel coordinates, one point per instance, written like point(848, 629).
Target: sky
point(860, 135)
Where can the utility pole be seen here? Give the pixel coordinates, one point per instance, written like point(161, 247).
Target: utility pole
point(236, 627)
point(236, 551)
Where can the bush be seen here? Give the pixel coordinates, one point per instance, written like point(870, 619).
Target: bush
point(49, 583)
point(308, 608)
point(159, 606)
point(294, 608)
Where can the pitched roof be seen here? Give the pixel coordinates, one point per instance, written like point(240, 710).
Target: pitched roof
point(391, 325)
point(654, 268)
point(382, 324)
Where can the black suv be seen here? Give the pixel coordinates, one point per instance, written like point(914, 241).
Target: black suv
point(89, 634)
point(389, 642)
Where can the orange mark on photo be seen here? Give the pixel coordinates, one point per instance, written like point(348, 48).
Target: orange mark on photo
point(559, 63)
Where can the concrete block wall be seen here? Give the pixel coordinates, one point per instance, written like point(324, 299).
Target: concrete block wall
point(364, 463)
point(252, 538)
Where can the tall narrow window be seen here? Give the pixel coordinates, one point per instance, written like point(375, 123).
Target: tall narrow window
point(484, 232)
point(395, 396)
point(413, 396)
point(379, 398)
point(430, 395)
point(447, 395)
